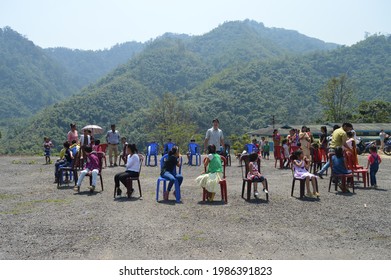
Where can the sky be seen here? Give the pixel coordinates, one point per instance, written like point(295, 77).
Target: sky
point(100, 24)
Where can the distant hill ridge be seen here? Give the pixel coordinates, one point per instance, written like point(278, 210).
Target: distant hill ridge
point(245, 78)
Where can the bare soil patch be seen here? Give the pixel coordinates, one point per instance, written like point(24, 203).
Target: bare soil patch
point(39, 221)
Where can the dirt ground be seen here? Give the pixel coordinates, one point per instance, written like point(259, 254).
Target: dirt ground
point(40, 221)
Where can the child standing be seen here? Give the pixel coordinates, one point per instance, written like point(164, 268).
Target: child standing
point(254, 175)
point(285, 150)
point(266, 150)
point(91, 167)
point(300, 165)
point(261, 144)
point(373, 163)
point(47, 145)
point(214, 173)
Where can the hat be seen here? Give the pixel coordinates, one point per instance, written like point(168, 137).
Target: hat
point(215, 120)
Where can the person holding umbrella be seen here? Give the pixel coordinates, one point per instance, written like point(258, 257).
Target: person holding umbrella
point(113, 139)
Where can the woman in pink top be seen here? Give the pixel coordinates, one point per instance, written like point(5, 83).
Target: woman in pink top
point(72, 134)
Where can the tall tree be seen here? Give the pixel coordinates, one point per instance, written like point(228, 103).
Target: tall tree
point(167, 118)
point(337, 98)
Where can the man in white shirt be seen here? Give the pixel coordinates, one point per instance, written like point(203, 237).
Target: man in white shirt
point(113, 138)
point(214, 136)
point(382, 136)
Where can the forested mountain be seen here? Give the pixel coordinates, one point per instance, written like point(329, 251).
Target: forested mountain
point(244, 41)
point(29, 79)
point(32, 78)
point(245, 94)
point(89, 66)
point(288, 88)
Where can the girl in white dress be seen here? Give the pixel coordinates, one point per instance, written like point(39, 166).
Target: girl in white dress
point(300, 166)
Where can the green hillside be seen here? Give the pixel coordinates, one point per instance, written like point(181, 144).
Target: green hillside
point(245, 94)
point(239, 42)
point(29, 79)
point(288, 88)
point(89, 66)
point(32, 78)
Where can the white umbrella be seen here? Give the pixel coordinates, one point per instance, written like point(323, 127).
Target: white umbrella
point(95, 129)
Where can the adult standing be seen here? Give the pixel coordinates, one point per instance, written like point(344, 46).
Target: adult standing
point(276, 138)
point(214, 136)
point(323, 137)
point(323, 142)
point(292, 138)
point(382, 136)
point(339, 138)
point(276, 141)
point(113, 139)
point(72, 134)
point(85, 141)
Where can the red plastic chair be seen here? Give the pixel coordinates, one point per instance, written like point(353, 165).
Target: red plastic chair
point(316, 160)
point(223, 183)
point(247, 181)
point(350, 161)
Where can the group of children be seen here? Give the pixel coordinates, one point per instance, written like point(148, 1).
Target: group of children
point(211, 178)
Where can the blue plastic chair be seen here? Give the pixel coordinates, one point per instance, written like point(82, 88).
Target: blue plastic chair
point(152, 150)
point(161, 179)
point(167, 147)
point(67, 173)
point(249, 148)
point(194, 150)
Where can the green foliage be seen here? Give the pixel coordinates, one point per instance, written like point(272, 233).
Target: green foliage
point(89, 66)
point(167, 119)
point(239, 142)
point(32, 78)
point(29, 79)
point(337, 99)
point(376, 111)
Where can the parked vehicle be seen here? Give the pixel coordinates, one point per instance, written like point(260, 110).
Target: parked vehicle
point(363, 147)
point(387, 147)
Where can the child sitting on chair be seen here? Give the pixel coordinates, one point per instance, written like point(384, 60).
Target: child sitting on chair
point(214, 173)
point(168, 171)
point(300, 166)
point(339, 165)
point(66, 161)
point(91, 167)
point(254, 175)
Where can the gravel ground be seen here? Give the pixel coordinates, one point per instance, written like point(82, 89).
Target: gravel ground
point(39, 221)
